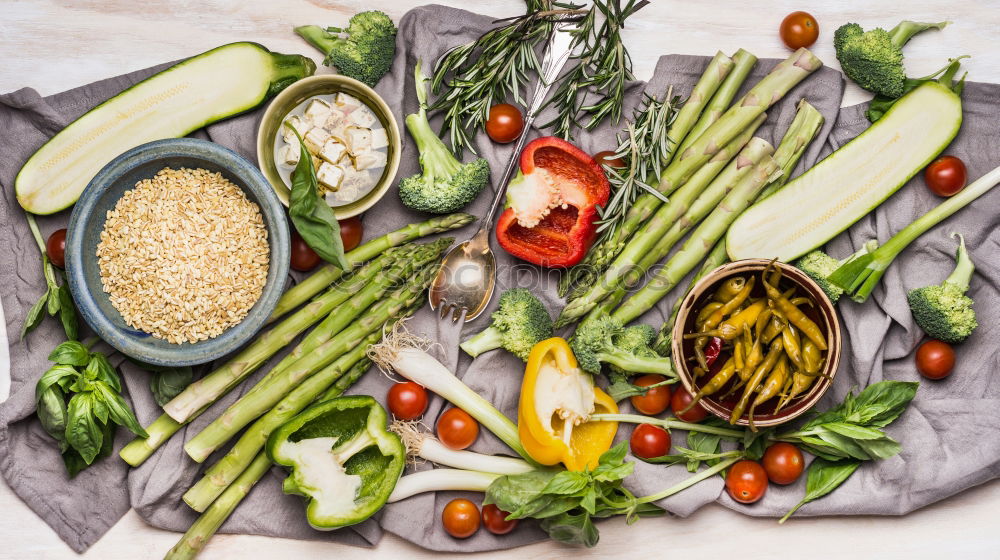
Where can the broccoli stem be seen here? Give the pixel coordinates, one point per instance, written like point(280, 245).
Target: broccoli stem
point(435, 158)
point(489, 339)
point(318, 37)
point(905, 31)
point(636, 364)
point(964, 267)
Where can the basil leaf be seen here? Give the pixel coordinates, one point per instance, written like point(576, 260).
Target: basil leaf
point(99, 368)
point(881, 403)
point(614, 456)
point(667, 459)
point(512, 492)
point(82, 431)
point(608, 473)
point(51, 411)
point(75, 463)
point(567, 482)
point(824, 477)
point(312, 216)
point(755, 443)
point(100, 408)
point(35, 315)
point(880, 448)
point(555, 506)
point(576, 529)
point(854, 431)
point(169, 382)
point(119, 410)
point(70, 353)
point(53, 377)
point(67, 313)
point(53, 303)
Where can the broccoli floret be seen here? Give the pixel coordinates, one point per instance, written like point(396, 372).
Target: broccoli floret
point(874, 59)
point(603, 340)
point(519, 323)
point(365, 53)
point(819, 266)
point(944, 312)
point(446, 184)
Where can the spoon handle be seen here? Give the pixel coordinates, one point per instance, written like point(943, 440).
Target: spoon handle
point(557, 52)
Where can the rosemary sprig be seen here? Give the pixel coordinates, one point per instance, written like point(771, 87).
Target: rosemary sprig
point(603, 68)
point(645, 150)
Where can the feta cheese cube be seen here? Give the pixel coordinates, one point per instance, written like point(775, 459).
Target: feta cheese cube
point(299, 125)
point(317, 111)
point(316, 138)
point(363, 117)
point(380, 139)
point(347, 102)
point(336, 122)
point(357, 139)
point(333, 150)
point(370, 160)
point(330, 175)
point(290, 154)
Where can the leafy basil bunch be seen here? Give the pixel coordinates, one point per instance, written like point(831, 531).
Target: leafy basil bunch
point(311, 215)
point(79, 402)
point(56, 299)
point(566, 502)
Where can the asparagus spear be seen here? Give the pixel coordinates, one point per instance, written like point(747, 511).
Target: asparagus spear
point(322, 278)
point(704, 236)
point(271, 390)
point(666, 228)
point(198, 535)
point(716, 258)
point(585, 273)
point(743, 62)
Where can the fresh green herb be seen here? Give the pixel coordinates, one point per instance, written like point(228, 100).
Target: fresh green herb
point(566, 502)
point(311, 215)
point(621, 389)
point(645, 150)
point(167, 383)
point(56, 299)
point(824, 476)
point(79, 402)
point(881, 103)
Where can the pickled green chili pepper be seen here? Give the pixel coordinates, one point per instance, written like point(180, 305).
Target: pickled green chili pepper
point(733, 327)
point(801, 382)
point(717, 382)
point(773, 353)
point(729, 289)
point(795, 316)
point(793, 345)
point(772, 387)
point(705, 312)
point(812, 357)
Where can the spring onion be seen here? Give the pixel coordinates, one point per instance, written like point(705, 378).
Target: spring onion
point(439, 480)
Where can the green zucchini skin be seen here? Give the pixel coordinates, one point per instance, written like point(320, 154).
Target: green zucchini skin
point(852, 181)
point(217, 84)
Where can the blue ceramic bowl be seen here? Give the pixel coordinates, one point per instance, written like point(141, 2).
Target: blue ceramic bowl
point(87, 222)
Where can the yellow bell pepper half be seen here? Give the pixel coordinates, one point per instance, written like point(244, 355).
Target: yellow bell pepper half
point(557, 399)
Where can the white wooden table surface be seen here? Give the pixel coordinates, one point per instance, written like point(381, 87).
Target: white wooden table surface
point(52, 46)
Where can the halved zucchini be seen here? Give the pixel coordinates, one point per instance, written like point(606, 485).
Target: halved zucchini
point(214, 85)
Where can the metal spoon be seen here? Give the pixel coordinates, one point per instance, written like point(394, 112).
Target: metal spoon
point(467, 276)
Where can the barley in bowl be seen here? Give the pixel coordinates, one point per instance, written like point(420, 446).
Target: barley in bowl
point(184, 255)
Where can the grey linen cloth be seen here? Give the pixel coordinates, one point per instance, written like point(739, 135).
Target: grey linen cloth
point(948, 418)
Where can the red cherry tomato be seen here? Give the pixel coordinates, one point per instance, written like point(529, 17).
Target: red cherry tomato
point(783, 463)
point(935, 359)
point(656, 400)
point(55, 247)
point(304, 258)
point(746, 481)
point(608, 157)
point(505, 123)
point(945, 176)
point(798, 30)
point(456, 429)
point(407, 400)
point(649, 441)
point(460, 518)
point(495, 520)
point(679, 402)
point(351, 231)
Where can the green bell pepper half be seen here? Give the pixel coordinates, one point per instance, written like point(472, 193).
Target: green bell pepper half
point(342, 458)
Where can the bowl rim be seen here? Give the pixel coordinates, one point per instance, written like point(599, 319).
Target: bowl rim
point(834, 338)
point(185, 354)
point(265, 148)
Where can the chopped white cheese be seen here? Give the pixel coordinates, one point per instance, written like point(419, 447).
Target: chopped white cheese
point(317, 111)
point(369, 160)
point(330, 175)
point(363, 117)
point(357, 139)
point(379, 139)
point(316, 138)
point(347, 102)
point(332, 151)
point(290, 154)
point(299, 125)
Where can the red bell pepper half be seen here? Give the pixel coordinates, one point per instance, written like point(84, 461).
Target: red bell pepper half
point(552, 204)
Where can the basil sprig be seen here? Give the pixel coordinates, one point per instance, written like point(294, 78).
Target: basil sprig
point(567, 502)
point(79, 402)
point(823, 477)
point(56, 299)
point(311, 215)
